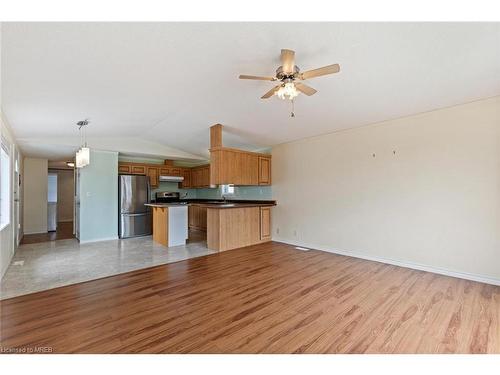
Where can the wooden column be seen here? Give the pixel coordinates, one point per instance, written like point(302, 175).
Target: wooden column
point(216, 136)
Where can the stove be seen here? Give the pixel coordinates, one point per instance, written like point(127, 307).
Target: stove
point(168, 197)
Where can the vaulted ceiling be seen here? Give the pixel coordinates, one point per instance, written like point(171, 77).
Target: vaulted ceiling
point(162, 85)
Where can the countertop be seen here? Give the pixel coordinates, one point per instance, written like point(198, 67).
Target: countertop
point(166, 204)
point(217, 203)
point(231, 204)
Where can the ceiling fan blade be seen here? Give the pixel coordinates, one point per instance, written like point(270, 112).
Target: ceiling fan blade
point(270, 92)
point(243, 76)
point(305, 89)
point(330, 69)
point(287, 60)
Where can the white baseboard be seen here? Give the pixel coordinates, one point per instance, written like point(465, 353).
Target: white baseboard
point(416, 266)
point(36, 232)
point(99, 240)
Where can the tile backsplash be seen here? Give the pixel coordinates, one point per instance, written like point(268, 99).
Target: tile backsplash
point(240, 192)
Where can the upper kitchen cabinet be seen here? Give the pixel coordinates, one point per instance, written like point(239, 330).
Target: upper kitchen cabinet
point(200, 176)
point(234, 166)
point(131, 168)
point(123, 168)
point(264, 170)
point(153, 174)
point(186, 183)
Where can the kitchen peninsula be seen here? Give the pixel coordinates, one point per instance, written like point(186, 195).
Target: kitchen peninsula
point(229, 224)
point(170, 226)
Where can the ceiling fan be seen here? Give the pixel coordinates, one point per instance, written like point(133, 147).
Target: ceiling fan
point(289, 76)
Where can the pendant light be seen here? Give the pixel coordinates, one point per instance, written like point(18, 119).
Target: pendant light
point(83, 154)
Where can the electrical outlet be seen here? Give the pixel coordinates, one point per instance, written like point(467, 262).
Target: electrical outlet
point(295, 233)
point(277, 230)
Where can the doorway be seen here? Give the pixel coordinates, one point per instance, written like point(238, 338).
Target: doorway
point(51, 202)
point(60, 198)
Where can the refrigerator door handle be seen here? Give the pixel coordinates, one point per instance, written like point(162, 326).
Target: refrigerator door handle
point(139, 214)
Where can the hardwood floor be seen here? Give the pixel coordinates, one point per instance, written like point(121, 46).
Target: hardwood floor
point(64, 231)
point(267, 298)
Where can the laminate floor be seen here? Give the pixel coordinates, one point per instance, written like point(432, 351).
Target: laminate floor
point(268, 298)
point(64, 231)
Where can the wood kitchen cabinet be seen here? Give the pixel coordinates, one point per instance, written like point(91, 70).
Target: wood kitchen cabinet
point(138, 169)
point(233, 228)
point(197, 218)
point(123, 168)
point(238, 167)
point(265, 223)
point(186, 183)
point(165, 171)
point(264, 170)
point(153, 174)
point(197, 177)
point(132, 168)
point(200, 176)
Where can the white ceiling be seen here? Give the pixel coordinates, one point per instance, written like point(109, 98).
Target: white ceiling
point(167, 83)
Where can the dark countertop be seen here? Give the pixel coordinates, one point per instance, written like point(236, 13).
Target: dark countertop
point(252, 201)
point(218, 203)
point(231, 204)
point(166, 204)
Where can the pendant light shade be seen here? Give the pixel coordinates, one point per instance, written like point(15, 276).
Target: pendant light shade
point(82, 158)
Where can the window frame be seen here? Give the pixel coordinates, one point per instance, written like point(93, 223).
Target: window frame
point(5, 220)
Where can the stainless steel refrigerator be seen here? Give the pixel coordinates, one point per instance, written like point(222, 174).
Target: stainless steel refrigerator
point(135, 218)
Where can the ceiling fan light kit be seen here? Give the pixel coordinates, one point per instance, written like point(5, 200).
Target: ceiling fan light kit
point(288, 73)
point(287, 91)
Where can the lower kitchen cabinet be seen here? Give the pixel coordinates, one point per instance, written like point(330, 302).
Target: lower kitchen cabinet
point(197, 217)
point(265, 223)
point(233, 228)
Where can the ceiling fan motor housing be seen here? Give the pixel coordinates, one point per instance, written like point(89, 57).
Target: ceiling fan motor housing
point(283, 76)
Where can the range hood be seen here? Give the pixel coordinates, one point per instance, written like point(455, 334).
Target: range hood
point(171, 178)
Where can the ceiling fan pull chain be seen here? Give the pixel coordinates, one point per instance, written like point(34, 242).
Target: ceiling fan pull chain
point(292, 114)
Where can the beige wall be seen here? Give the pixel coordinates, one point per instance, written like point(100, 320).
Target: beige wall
point(433, 204)
point(35, 195)
point(64, 194)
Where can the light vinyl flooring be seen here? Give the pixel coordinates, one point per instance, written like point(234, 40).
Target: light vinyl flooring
point(51, 264)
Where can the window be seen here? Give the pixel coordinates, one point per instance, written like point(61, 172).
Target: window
point(52, 188)
point(227, 189)
point(4, 186)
